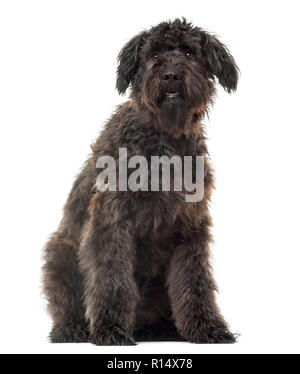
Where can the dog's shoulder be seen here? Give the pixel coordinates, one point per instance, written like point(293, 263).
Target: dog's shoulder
point(126, 129)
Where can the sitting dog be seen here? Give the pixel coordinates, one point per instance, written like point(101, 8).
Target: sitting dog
point(127, 266)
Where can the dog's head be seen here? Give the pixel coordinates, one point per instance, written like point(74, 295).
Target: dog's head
point(172, 70)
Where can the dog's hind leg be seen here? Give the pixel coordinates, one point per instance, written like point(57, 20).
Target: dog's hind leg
point(63, 288)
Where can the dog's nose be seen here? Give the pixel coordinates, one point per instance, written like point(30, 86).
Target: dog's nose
point(171, 75)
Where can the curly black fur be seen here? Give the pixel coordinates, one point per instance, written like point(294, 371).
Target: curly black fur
point(69, 334)
point(126, 266)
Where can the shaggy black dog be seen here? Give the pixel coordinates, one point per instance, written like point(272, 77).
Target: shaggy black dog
point(128, 266)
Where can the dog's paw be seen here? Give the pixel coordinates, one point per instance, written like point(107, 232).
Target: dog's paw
point(111, 337)
point(69, 334)
point(213, 336)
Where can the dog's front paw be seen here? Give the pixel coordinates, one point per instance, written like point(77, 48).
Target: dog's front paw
point(113, 336)
point(212, 336)
point(69, 334)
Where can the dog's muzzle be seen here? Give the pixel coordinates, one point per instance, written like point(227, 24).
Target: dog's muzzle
point(171, 84)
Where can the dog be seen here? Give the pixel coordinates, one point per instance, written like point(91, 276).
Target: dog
point(129, 266)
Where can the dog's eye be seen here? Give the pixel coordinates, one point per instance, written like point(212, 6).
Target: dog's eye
point(189, 55)
point(155, 56)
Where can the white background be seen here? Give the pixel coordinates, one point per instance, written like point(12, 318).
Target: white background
point(57, 88)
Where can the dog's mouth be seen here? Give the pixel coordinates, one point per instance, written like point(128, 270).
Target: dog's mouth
point(172, 94)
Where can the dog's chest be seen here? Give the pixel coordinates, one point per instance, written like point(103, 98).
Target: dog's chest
point(154, 254)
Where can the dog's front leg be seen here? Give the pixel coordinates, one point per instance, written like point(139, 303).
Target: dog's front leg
point(107, 260)
point(192, 292)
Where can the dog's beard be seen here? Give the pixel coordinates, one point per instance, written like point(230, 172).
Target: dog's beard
point(172, 109)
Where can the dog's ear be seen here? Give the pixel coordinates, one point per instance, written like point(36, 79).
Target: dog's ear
point(219, 61)
point(128, 62)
